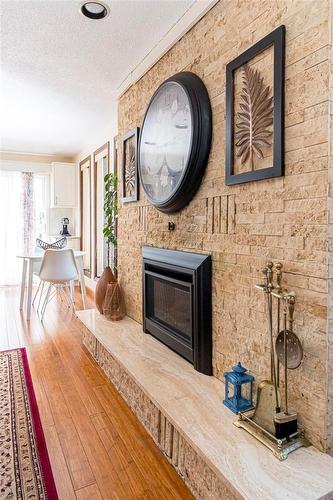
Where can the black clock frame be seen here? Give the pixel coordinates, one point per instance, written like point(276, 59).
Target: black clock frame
point(201, 114)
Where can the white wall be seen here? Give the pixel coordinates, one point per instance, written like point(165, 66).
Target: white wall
point(25, 166)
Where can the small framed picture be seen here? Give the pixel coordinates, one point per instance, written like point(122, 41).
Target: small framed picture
point(130, 185)
point(255, 111)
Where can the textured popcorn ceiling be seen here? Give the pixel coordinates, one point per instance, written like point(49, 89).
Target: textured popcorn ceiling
point(60, 70)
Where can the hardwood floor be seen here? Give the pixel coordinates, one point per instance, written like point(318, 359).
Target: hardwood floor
point(97, 447)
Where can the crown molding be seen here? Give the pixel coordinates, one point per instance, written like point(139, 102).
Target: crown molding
point(197, 10)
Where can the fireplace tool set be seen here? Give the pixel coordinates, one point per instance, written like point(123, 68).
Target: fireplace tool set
point(274, 424)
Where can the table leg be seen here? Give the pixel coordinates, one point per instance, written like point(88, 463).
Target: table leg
point(79, 262)
point(29, 297)
point(24, 274)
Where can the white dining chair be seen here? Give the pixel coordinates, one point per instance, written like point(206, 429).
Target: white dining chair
point(58, 269)
point(40, 247)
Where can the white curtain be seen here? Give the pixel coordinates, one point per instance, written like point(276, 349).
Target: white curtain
point(11, 227)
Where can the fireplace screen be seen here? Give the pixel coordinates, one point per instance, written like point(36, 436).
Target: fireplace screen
point(177, 303)
point(170, 303)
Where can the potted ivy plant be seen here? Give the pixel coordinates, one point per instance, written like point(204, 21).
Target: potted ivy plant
point(110, 216)
point(110, 235)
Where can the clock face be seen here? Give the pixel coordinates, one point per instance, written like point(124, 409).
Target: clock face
point(165, 142)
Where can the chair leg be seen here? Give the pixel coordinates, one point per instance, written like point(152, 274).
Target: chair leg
point(46, 300)
point(68, 299)
point(72, 298)
point(46, 296)
point(35, 296)
point(63, 294)
point(41, 294)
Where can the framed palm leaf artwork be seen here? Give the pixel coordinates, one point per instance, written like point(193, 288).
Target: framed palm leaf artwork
point(130, 186)
point(255, 112)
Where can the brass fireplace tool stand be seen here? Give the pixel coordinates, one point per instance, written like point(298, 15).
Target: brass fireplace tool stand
point(276, 428)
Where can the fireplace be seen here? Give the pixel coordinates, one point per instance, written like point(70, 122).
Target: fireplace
point(177, 303)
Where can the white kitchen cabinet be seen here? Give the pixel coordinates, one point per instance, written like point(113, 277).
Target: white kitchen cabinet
point(74, 242)
point(63, 185)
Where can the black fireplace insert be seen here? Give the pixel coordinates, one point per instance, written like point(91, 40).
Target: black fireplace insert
point(177, 303)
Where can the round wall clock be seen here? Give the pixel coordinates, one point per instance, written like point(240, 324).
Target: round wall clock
point(175, 141)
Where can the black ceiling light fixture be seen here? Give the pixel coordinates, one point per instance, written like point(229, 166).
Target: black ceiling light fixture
point(94, 10)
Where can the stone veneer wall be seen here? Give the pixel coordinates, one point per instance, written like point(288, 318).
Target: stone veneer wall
point(283, 219)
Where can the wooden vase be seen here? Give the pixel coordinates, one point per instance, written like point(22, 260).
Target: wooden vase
point(100, 290)
point(114, 304)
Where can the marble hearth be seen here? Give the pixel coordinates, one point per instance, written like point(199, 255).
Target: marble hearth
point(183, 411)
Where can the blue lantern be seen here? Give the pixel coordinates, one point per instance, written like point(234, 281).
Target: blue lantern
point(236, 402)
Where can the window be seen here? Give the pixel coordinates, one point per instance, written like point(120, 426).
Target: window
point(23, 217)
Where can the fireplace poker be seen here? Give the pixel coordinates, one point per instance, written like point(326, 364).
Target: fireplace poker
point(285, 362)
point(278, 269)
point(269, 267)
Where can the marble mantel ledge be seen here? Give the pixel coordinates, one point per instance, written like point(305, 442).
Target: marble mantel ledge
point(191, 407)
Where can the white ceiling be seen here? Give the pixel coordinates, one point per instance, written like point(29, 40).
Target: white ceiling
point(60, 71)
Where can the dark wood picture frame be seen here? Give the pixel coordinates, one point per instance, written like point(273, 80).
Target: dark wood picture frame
point(83, 162)
point(115, 173)
point(134, 197)
point(115, 156)
point(276, 39)
point(106, 147)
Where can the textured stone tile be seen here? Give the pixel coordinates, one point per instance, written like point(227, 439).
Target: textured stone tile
point(242, 226)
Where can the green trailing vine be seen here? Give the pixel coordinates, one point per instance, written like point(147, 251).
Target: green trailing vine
point(110, 209)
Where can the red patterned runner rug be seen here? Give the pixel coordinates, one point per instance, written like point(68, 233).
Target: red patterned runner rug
point(25, 470)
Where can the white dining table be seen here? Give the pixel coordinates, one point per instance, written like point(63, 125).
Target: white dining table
point(31, 264)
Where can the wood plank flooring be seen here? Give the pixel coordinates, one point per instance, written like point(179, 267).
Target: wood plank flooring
point(97, 447)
